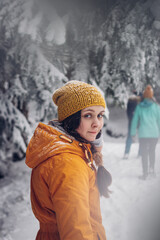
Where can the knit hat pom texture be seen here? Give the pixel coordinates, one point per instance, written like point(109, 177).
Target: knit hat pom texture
point(75, 96)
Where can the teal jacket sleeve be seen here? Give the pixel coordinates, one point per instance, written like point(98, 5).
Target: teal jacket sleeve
point(158, 117)
point(135, 122)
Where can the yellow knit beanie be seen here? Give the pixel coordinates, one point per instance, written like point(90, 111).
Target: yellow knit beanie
point(75, 96)
point(148, 92)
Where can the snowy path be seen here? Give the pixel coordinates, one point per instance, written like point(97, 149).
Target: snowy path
point(129, 213)
point(131, 210)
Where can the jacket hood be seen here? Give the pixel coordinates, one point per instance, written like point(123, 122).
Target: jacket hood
point(134, 97)
point(146, 103)
point(48, 141)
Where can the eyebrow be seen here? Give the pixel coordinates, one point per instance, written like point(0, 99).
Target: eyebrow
point(91, 110)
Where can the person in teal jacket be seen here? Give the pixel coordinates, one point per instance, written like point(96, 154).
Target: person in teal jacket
point(147, 120)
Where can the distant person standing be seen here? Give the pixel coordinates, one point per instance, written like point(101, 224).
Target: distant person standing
point(147, 119)
point(131, 105)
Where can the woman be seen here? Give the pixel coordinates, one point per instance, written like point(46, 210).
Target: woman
point(64, 192)
point(147, 119)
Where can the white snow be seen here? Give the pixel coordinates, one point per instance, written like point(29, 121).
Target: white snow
point(131, 213)
point(54, 29)
point(133, 202)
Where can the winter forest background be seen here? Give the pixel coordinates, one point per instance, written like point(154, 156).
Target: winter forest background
point(114, 44)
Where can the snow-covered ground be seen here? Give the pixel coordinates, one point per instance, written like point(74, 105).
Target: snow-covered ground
point(131, 212)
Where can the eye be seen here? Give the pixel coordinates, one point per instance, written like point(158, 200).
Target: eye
point(88, 115)
point(100, 115)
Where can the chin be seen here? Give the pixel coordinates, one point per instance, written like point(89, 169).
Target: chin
point(91, 139)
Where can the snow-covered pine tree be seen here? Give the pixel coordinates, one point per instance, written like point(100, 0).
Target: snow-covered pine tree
point(27, 78)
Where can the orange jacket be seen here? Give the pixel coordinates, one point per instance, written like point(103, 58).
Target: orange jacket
point(64, 194)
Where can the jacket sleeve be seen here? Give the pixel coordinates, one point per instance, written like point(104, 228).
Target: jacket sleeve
point(69, 188)
point(135, 122)
point(158, 118)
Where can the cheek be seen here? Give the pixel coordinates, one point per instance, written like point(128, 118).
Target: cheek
point(80, 128)
point(101, 124)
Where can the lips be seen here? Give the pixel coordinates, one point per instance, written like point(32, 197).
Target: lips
point(93, 132)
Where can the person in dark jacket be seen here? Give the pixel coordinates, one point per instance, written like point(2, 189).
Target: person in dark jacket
point(131, 105)
point(147, 119)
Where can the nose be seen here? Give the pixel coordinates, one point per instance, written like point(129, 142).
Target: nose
point(95, 122)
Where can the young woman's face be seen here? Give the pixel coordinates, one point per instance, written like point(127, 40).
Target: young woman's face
point(91, 122)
